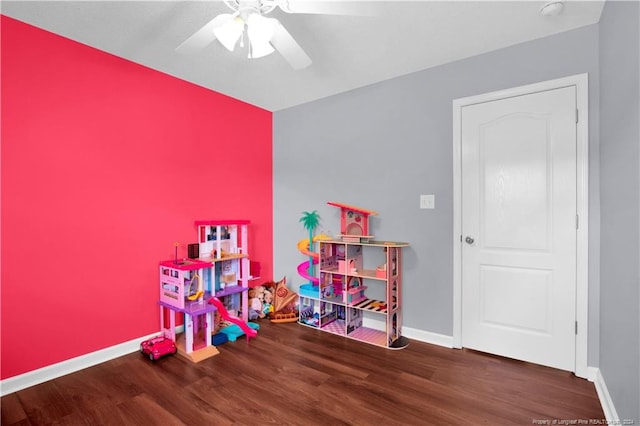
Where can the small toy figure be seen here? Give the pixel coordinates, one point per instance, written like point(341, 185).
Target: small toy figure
point(217, 322)
point(256, 297)
point(285, 306)
point(267, 306)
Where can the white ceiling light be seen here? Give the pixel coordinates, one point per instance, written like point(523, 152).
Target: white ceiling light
point(552, 8)
point(229, 31)
point(260, 31)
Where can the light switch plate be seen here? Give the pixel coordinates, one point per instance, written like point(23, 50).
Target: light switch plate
point(427, 201)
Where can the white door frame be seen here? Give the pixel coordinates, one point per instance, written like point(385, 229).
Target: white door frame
point(582, 193)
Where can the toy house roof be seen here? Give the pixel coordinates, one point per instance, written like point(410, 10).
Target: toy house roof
point(221, 222)
point(186, 264)
point(354, 208)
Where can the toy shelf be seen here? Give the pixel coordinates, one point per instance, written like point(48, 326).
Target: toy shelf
point(225, 257)
point(371, 243)
point(192, 308)
point(366, 273)
point(372, 305)
point(229, 290)
point(358, 292)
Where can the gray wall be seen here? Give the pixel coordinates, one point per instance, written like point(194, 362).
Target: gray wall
point(620, 183)
point(381, 146)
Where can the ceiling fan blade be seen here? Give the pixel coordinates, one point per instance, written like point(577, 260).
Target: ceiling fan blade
point(289, 48)
point(204, 36)
point(352, 8)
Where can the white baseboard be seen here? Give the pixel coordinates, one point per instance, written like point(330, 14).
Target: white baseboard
point(413, 333)
point(428, 337)
point(41, 375)
point(609, 409)
point(592, 373)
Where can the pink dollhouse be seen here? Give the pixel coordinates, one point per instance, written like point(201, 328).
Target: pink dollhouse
point(354, 222)
point(182, 293)
point(213, 278)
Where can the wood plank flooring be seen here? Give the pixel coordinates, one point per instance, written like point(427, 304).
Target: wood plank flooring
point(293, 375)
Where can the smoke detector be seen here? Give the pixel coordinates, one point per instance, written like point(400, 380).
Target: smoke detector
point(552, 8)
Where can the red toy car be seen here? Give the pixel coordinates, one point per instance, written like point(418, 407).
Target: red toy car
point(158, 347)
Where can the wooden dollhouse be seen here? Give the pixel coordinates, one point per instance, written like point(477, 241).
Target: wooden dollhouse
point(359, 285)
point(354, 222)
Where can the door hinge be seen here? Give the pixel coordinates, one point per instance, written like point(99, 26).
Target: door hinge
point(577, 222)
point(577, 116)
point(576, 328)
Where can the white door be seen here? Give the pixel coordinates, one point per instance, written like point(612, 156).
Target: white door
point(518, 160)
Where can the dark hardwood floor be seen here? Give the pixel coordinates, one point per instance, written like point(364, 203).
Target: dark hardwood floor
point(294, 375)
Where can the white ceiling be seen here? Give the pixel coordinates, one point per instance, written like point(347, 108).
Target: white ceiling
point(348, 52)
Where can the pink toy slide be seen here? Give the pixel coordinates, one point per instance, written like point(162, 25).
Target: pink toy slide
point(250, 332)
point(303, 270)
point(303, 247)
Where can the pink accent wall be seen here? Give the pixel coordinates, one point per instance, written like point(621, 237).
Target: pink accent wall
point(105, 164)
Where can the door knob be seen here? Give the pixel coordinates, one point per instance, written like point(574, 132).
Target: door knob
point(469, 240)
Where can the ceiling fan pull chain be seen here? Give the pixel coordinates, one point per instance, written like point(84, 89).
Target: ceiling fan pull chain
point(244, 34)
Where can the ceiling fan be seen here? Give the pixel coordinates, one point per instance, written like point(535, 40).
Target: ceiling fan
point(247, 24)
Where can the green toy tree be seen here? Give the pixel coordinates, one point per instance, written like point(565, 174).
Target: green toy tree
point(310, 221)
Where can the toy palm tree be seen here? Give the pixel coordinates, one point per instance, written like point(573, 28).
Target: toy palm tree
point(310, 221)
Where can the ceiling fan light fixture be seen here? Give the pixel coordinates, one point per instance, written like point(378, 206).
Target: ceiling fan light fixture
point(260, 31)
point(263, 35)
point(230, 32)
